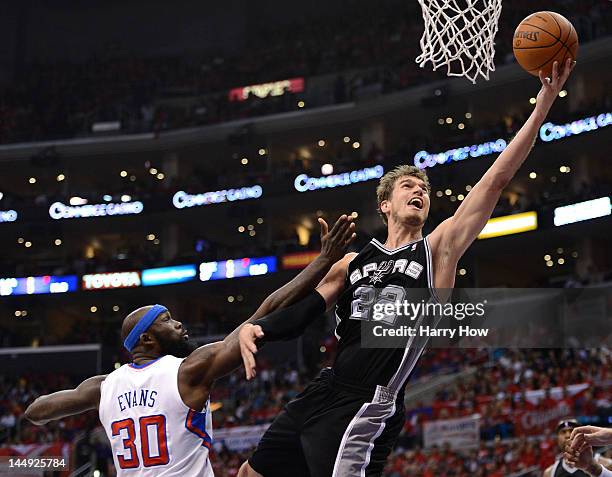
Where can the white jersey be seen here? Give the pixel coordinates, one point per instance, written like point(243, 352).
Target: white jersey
point(151, 431)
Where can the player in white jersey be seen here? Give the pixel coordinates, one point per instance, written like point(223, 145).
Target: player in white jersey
point(155, 410)
point(146, 419)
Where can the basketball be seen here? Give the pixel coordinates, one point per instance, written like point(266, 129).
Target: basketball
point(543, 38)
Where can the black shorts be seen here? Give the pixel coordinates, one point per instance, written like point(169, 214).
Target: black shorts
point(331, 429)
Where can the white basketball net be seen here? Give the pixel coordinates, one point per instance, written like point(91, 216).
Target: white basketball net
point(460, 34)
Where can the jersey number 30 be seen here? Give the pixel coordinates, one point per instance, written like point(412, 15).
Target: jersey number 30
point(126, 430)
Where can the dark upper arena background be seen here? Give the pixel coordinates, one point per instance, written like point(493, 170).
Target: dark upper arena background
point(130, 103)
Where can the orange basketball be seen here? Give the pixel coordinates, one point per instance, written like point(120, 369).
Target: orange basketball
point(543, 38)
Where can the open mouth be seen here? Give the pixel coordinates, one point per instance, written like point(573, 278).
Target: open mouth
point(416, 202)
point(185, 336)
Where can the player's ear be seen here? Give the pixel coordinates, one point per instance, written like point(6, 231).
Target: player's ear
point(384, 206)
point(146, 339)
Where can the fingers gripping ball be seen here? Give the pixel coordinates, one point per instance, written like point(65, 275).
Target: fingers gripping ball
point(543, 38)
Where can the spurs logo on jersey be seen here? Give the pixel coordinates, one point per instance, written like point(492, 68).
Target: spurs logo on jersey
point(379, 270)
point(379, 276)
point(151, 431)
point(384, 268)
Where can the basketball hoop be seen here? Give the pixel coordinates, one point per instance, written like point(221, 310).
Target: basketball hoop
point(460, 34)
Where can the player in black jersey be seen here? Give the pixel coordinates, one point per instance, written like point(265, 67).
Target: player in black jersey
point(345, 423)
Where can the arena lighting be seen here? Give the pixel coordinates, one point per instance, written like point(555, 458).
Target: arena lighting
point(182, 199)
point(590, 209)
point(553, 132)
point(106, 126)
point(298, 260)
point(510, 224)
point(168, 275)
point(275, 88)
point(8, 216)
point(38, 285)
point(59, 211)
point(305, 183)
point(241, 267)
point(104, 281)
point(77, 201)
point(424, 159)
point(327, 169)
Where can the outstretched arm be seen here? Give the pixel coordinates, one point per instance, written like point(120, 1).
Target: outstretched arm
point(453, 236)
point(210, 362)
point(291, 322)
point(334, 243)
point(61, 404)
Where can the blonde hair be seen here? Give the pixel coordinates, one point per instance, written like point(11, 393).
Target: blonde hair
point(387, 182)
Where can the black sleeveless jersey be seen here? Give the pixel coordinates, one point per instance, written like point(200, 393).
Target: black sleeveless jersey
point(379, 275)
point(560, 471)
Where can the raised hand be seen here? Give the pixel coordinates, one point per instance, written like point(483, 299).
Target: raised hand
point(593, 435)
point(552, 86)
point(335, 242)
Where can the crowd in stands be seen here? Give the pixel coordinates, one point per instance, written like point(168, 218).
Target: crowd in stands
point(373, 52)
point(278, 167)
point(131, 252)
point(498, 459)
point(497, 390)
point(16, 393)
point(501, 392)
point(257, 401)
